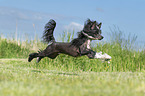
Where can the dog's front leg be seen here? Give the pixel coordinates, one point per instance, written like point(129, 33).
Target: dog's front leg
point(84, 51)
point(92, 54)
point(99, 55)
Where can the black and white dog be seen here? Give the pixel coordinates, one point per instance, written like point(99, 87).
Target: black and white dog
point(77, 47)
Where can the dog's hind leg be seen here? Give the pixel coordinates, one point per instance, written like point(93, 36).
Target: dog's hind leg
point(39, 58)
point(52, 56)
point(40, 55)
point(32, 56)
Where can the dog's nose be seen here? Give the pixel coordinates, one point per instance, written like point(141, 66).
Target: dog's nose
point(100, 37)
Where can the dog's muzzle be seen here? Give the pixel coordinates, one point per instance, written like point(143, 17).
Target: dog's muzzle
point(100, 37)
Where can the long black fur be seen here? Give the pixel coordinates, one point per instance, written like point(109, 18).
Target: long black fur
point(48, 31)
point(77, 47)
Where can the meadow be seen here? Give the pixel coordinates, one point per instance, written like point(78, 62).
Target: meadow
point(68, 76)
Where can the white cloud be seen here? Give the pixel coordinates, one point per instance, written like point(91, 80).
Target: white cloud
point(25, 20)
point(74, 26)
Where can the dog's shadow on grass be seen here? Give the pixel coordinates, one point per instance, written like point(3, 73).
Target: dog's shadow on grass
point(57, 72)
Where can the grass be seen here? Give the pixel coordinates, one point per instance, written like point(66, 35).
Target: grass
point(124, 57)
point(20, 78)
point(11, 48)
point(69, 76)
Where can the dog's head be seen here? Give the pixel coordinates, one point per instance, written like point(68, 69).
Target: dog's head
point(92, 30)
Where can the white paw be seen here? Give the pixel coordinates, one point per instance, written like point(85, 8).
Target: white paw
point(102, 56)
point(106, 56)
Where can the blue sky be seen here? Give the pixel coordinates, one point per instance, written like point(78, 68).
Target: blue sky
point(128, 15)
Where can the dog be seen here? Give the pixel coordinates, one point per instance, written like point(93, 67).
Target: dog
point(79, 46)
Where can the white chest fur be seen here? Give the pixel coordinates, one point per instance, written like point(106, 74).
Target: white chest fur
point(88, 44)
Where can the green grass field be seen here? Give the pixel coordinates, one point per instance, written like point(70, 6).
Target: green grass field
point(68, 76)
point(20, 78)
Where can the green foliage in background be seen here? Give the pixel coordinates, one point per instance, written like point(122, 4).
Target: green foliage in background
point(124, 56)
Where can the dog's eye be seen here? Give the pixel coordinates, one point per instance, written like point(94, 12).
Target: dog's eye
point(97, 27)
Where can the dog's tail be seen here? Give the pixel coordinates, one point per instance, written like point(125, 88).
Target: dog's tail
point(48, 32)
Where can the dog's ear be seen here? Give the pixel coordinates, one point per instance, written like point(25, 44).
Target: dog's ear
point(88, 20)
point(100, 25)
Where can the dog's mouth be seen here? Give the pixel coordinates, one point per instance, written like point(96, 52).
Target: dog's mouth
point(93, 38)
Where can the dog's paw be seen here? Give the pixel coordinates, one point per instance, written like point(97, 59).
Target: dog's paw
point(107, 57)
point(104, 56)
point(30, 59)
point(31, 56)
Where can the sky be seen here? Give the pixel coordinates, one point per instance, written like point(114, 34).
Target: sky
point(28, 17)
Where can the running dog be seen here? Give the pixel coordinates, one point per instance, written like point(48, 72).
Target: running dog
point(79, 46)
